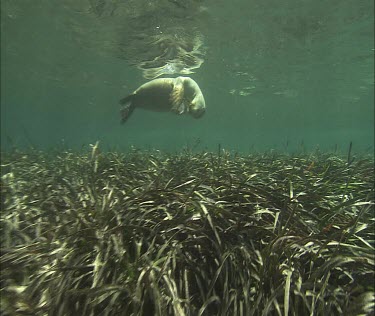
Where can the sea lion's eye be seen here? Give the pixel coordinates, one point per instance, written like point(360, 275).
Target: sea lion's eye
point(193, 106)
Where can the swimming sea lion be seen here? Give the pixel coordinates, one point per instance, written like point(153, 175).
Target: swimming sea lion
point(178, 95)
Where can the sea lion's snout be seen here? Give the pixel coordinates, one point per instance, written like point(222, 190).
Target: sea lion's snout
point(197, 113)
point(197, 107)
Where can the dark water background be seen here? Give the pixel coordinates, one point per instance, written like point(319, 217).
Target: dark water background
point(309, 65)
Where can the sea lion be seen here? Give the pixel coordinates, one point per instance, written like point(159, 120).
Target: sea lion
point(178, 95)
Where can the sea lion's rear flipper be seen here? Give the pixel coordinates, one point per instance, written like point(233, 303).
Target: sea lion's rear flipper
point(177, 97)
point(127, 107)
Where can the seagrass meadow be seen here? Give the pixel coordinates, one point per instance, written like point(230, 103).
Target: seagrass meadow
point(153, 233)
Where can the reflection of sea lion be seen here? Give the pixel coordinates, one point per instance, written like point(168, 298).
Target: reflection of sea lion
point(178, 95)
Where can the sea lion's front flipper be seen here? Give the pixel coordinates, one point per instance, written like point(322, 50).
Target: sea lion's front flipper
point(127, 108)
point(177, 97)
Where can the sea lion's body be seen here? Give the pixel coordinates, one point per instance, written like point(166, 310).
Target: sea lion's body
point(178, 95)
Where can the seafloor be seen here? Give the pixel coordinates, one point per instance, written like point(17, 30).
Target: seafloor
point(151, 233)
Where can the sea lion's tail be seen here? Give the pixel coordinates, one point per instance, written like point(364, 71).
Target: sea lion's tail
point(127, 108)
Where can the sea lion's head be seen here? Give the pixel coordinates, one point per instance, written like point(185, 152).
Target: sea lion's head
point(196, 105)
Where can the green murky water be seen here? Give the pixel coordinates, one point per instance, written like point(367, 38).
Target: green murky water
point(275, 75)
